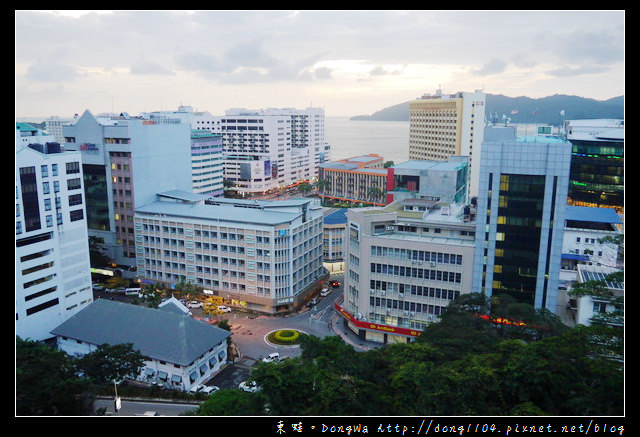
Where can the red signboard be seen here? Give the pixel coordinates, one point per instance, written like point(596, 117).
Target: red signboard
point(376, 326)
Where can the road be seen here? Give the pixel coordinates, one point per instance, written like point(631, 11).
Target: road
point(136, 408)
point(249, 333)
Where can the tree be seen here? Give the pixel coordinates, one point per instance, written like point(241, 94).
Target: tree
point(322, 185)
point(232, 402)
point(375, 193)
point(96, 257)
point(388, 164)
point(305, 188)
point(110, 363)
point(46, 382)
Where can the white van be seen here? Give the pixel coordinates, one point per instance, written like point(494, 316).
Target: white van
point(224, 309)
point(132, 291)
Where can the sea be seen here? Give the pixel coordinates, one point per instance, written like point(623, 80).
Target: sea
point(349, 138)
point(389, 139)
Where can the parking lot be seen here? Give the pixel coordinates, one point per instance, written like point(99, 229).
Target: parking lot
point(232, 375)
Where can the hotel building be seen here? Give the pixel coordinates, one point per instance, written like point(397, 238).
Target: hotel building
point(53, 279)
point(521, 217)
point(266, 254)
point(125, 161)
point(442, 125)
point(404, 267)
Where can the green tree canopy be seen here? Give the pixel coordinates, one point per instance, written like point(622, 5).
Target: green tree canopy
point(46, 382)
point(110, 363)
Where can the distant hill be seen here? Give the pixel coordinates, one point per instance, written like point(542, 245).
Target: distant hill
point(545, 110)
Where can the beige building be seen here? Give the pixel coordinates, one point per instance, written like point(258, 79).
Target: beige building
point(404, 267)
point(443, 125)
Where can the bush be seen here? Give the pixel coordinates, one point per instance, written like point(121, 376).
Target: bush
point(285, 336)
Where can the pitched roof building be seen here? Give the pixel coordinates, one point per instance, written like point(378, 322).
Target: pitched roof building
point(182, 351)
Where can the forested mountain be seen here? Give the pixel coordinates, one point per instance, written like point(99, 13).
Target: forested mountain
point(545, 110)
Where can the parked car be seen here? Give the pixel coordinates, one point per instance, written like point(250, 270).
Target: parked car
point(194, 304)
point(325, 292)
point(97, 287)
point(275, 356)
point(312, 302)
point(209, 389)
point(224, 309)
point(249, 386)
point(196, 388)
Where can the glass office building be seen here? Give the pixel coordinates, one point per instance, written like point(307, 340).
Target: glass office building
point(521, 207)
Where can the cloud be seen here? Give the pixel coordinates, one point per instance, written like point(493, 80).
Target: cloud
point(52, 72)
point(323, 73)
point(150, 68)
point(577, 71)
point(494, 66)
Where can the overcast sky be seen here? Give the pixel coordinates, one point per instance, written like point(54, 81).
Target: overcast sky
point(347, 62)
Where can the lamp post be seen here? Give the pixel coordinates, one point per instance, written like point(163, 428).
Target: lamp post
point(117, 402)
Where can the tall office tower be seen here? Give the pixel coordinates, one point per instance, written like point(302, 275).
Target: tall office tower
point(448, 124)
point(266, 254)
point(521, 214)
point(124, 161)
point(53, 278)
point(404, 264)
point(597, 163)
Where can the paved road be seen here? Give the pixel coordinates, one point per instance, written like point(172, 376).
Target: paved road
point(138, 408)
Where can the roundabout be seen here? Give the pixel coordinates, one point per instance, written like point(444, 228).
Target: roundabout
point(284, 337)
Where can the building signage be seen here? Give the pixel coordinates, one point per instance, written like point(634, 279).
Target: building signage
point(375, 326)
point(89, 147)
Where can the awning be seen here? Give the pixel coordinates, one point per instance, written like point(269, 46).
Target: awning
point(575, 257)
point(193, 376)
point(203, 369)
point(212, 362)
point(176, 378)
point(148, 371)
point(162, 375)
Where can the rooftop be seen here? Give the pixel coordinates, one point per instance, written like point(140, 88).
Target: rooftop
point(161, 335)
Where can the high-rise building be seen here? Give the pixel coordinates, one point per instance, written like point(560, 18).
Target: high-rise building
point(53, 278)
point(443, 125)
point(207, 162)
point(597, 163)
point(125, 160)
point(521, 215)
point(266, 255)
point(269, 148)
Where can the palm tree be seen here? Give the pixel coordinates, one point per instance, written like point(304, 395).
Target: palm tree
point(375, 193)
point(322, 184)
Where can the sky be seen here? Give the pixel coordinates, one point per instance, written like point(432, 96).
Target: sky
point(348, 62)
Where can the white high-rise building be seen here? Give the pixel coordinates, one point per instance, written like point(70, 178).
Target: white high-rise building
point(443, 125)
point(53, 277)
point(268, 148)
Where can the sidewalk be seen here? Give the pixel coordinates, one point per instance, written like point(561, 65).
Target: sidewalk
point(349, 337)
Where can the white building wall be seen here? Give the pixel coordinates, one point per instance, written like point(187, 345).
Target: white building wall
point(53, 279)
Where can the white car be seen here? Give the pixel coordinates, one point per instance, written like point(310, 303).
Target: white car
point(325, 292)
point(194, 304)
point(224, 309)
point(275, 356)
point(250, 387)
point(209, 389)
point(196, 388)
